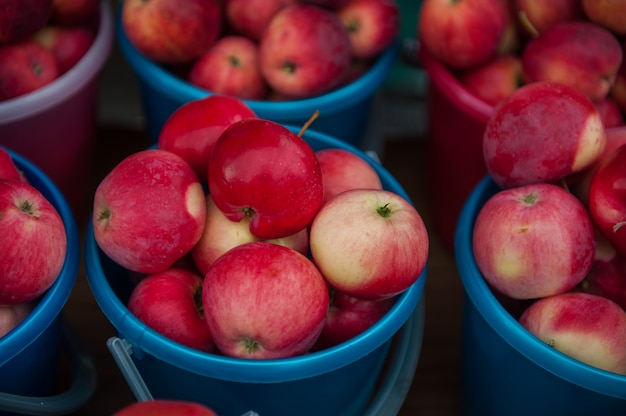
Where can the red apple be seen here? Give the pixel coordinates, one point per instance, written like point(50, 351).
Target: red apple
point(261, 170)
point(304, 51)
point(165, 407)
point(67, 44)
point(533, 241)
point(148, 211)
point(544, 14)
point(171, 31)
point(348, 317)
point(221, 234)
point(618, 89)
point(231, 66)
point(74, 12)
point(8, 168)
point(250, 17)
point(610, 112)
point(192, 129)
point(608, 13)
point(343, 170)
point(542, 132)
point(607, 276)
point(580, 54)
point(263, 300)
point(494, 80)
point(170, 302)
point(462, 34)
point(25, 67)
point(589, 328)
point(369, 243)
point(12, 315)
point(21, 18)
point(607, 198)
point(373, 25)
point(33, 244)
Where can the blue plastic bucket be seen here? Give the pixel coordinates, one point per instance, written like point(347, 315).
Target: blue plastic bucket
point(344, 112)
point(336, 381)
point(29, 354)
point(505, 370)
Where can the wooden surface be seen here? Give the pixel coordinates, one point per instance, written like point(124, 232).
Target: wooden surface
point(434, 390)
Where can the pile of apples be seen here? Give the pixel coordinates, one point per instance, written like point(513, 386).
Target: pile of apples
point(243, 240)
point(40, 40)
point(263, 49)
point(494, 47)
point(33, 244)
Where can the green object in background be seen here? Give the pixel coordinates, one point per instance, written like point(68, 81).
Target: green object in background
point(403, 77)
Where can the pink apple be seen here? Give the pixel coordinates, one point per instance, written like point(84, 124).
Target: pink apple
point(170, 302)
point(348, 317)
point(68, 44)
point(12, 315)
point(164, 407)
point(221, 234)
point(494, 80)
point(343, 170)
point(373, 25)
point(607, 198)
point(608, 13)
point(533, 241)
point(579, 54)
point(8, 168)
point(192, 130)
point(542, 132)
point(148, 211)
point(543, 14)
point(462, 34)
point(25, 67)
point(74, 12)
point(261, 170)
point(263, 300)
point(250, 17)
point(369, 243)
point(305, 51)
point(170, 31)
point(588, 328)
point(33, 244)
point(231, 67)
point(21, 18)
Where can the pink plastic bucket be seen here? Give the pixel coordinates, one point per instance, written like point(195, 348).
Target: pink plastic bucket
point(54, 126)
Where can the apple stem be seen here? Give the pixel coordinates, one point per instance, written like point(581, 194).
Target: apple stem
point(308, 123)
point(384, 211)
point(618, 225)
point(250, 345)
point(27, 208)
point(523, 17)
point(105, 214)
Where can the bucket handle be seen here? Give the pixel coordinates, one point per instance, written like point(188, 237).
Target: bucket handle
point(82, 388)
point(121, 351)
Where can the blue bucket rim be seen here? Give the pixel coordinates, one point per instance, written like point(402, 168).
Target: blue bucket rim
point(175, 88)
point(254, 371)
point(52, 302)
point(507, 327)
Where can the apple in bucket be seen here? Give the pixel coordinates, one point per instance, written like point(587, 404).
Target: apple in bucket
point(33, 244)
point(369, 243)
point(263, 300)
point(148, 211)
point(165, 407)
point(25, 67)
point(255, 158)
point(533, 241)
point(21, 18)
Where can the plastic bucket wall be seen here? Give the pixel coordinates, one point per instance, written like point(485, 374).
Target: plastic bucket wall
point(335, 381)
point(29, 354)
point(344, 112)
point(505, 370)
point(54, 126)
